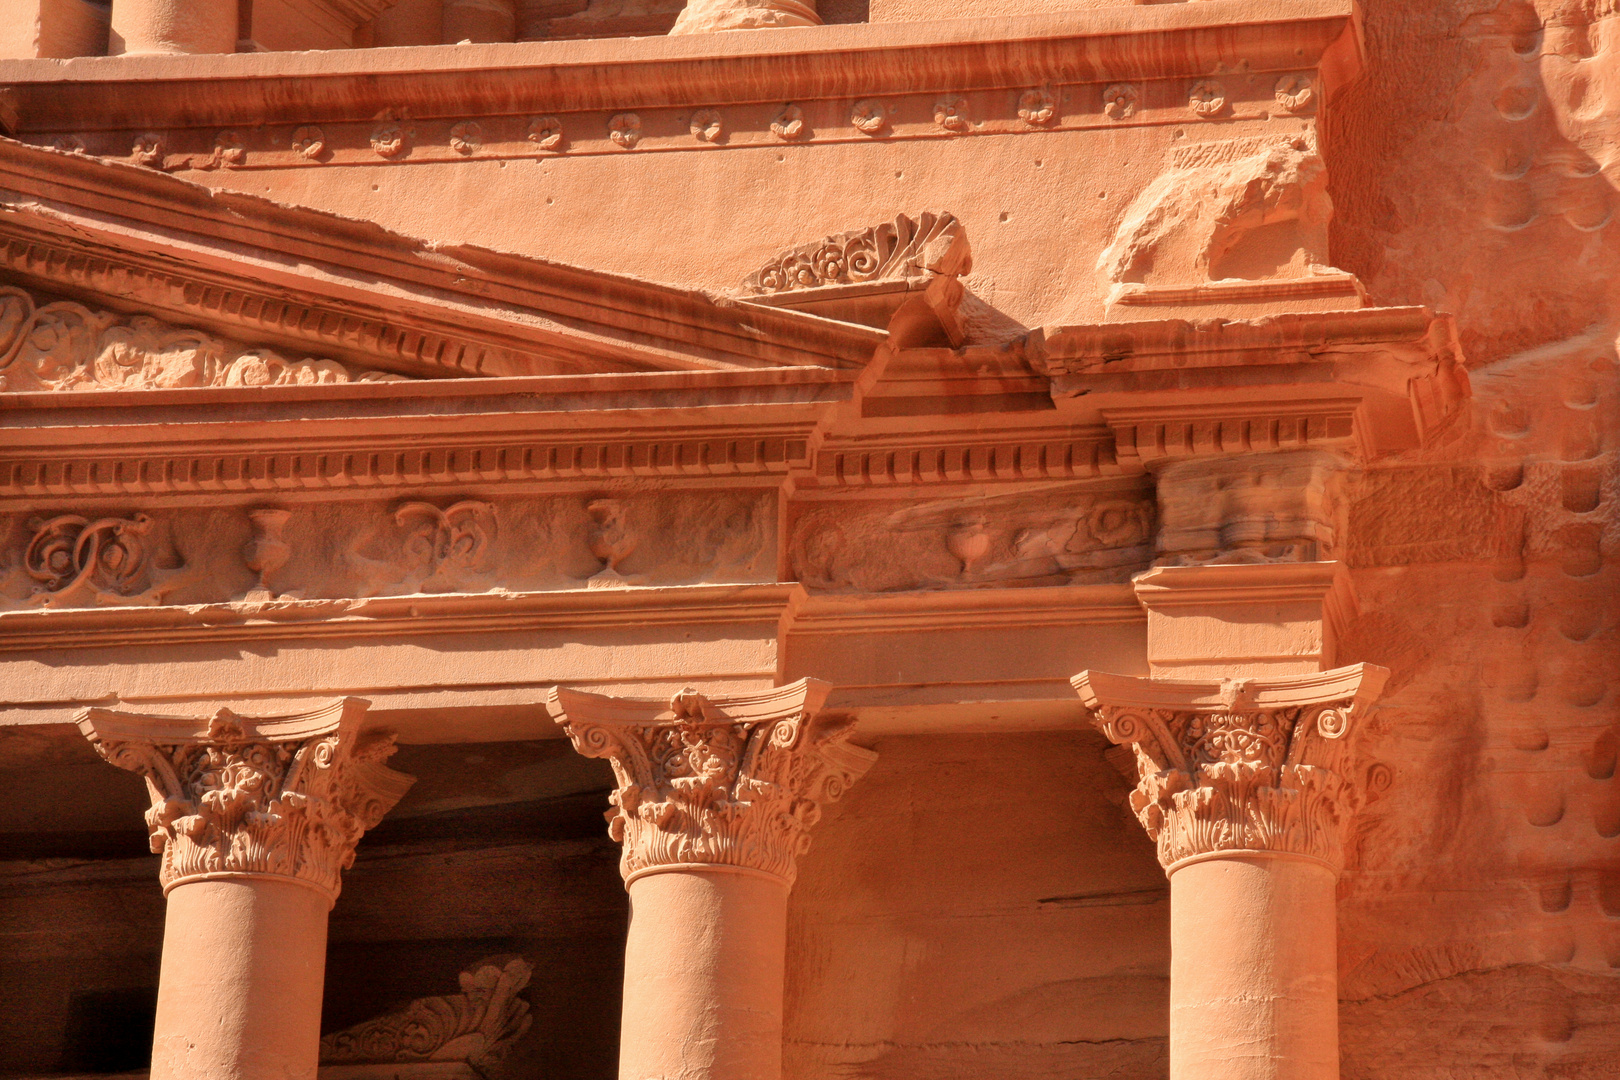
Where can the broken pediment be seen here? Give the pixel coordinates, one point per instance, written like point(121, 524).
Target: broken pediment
point(289, 282)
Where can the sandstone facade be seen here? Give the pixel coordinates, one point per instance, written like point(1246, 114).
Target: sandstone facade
point(1064, 539)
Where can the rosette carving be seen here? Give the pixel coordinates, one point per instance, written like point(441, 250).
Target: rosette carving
point(1241, 764)
point(478, 1025)
point(735, 781)
point(287, 796)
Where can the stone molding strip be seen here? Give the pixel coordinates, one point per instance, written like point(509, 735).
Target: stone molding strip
point(799, 63)
point(25, 630)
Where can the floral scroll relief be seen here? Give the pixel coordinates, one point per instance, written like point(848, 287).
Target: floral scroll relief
point(1239, 765)
point(478, 1025)
point(77, 561)
point(707, 783)
point(902, 248)
point(67, 346)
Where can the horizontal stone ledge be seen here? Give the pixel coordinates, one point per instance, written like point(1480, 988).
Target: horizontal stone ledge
point(786, 64)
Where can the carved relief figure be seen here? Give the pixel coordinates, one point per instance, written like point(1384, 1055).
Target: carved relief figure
point(1067, 537)
point(1250, 508)
point(67, 346)
point(478, 1026)
point(1247, 208)
point(438, 550)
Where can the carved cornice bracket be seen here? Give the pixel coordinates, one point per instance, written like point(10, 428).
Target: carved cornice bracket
point(725, 782)
point(236, 796)
point(1238, 765)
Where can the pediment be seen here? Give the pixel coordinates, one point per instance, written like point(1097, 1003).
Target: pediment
point(117, 277)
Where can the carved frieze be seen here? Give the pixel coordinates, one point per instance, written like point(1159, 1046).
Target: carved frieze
point(1058, 537)
point(67, 346)
point(302, 551)
point(899, 249)
point(1239, 765)
point(1281, 506)
point(477, 1026)
point(734, 782)
point(288, 796)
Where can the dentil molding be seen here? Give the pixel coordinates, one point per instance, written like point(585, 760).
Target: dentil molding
point(237, 796)
point(1238, 765)
point(724, 782)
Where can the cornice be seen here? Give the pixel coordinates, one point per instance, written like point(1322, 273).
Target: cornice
point(366, 439)
point(393, 617)
point(762, 66)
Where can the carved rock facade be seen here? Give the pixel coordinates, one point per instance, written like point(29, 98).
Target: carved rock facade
point(728, 782)
point(1239, 765)
point(287, 796)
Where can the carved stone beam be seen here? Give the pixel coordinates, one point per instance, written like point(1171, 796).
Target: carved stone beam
point(715, 801)
point(1243, 785)
point(255, 818)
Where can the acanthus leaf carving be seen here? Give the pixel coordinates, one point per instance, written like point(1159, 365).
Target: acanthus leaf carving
point(1239, 765)
point(67, 346)
point(477, 1026)
point(286, 796)
point(734, 782)
point(904, 248)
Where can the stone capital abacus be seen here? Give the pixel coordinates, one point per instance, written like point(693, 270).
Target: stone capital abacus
point(715, 783)
point(1238, 766)
point(236, 796)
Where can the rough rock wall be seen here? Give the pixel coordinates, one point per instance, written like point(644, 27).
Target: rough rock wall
point(1473, 168)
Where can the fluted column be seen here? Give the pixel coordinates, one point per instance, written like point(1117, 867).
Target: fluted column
point(1244, 786)
point(715, 801)
point(256, 818)
point(172, 26)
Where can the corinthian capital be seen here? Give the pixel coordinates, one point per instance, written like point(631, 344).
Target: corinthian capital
point(233, 796)
point(1238, 764)
point(725, 781)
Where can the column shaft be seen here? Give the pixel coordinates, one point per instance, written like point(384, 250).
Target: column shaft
point(703, 976)
point(172, 26)
point(1253, 970)
point(239, 996)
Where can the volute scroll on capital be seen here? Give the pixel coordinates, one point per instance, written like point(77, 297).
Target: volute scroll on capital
point(724, 783)
point(1238, 765)
point(236, 796)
